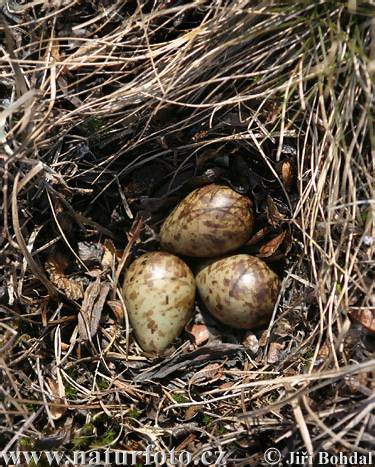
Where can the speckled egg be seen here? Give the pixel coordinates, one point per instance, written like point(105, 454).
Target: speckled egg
point(159, 292)
point(240, 290)
point(210, 221)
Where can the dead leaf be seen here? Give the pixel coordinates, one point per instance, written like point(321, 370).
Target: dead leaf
point(250, 342)
point(282, 328)
point(199, 135)
point(84, 317)
point(258, 236)
point(227, 385)
point(286, 174)
point(324, 352)
point(133, 237)
point(359, 383)
point(118, 311)
point(274, 216)
point(58, 397)
point(55, 266)
point(52, 441)
point(127, 389)
point(186, 443)
point(263, 338)
point(269, 248)
point(365, 317)
point(94, 273)
point(199, 333)
point(210, 373)
point(91, 309)
point(109, 255)
point(191, 412)
point(189, 360)
point(64, 346)
point(55, 51)
point(275, 352)
point(90, 253)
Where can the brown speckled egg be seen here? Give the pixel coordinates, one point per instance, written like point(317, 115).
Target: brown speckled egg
point(210, 221)
point(159, 292)
point(240, 290)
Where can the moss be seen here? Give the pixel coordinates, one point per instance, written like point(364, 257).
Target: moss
point(105, 439)
point(365, 215)
point(70, 392)
point(25, 443)
point(94, 124)
point(221, 430)
point(206, 419)
point(32, 407)
point(179, 398)
point(72, 371)
point(83, 436)
point(80, 442)
point(309, 353)
point(102, 383)
point(273, 397)
point(134, 413)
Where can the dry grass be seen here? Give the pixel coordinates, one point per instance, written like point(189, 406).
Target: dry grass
point(93, 92)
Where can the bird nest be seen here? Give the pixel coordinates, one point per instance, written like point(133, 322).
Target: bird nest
point(111, 113)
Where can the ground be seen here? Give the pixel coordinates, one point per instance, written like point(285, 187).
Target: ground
point(111, 113)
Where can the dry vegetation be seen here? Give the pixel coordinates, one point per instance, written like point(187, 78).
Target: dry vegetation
point(110, 113)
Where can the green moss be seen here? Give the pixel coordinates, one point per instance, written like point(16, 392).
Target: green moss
point(32, 407)
point(309, 353)
point(206, 419)
point(80, 442)
point(87, 429)
point(94, 124)
point(72, 371)
point(273, 397)
point(25, 443)
point(365, 215)
point(104, 440)
point(179, 398)
point(134, 413)
point(221, 430)
point(83, 437)
point(70, 392)
point(102, 383)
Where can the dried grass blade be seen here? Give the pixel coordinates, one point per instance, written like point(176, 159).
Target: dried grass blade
point(17, 231)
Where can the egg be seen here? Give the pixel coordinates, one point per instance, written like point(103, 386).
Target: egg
point(239, 290)
point(210, 221)
point(159, 293)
